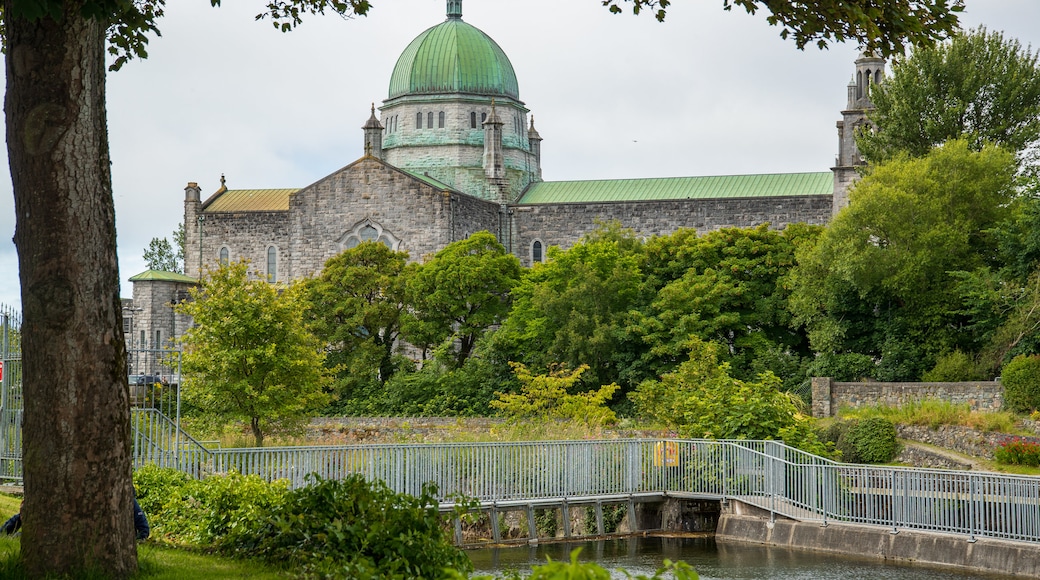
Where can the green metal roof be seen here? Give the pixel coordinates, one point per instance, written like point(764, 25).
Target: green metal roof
point(161, 276)
point(249, 200)
point(453, 57)
point(711, 187)
point(427, 179)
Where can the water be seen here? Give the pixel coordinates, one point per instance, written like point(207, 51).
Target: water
point(712, 561)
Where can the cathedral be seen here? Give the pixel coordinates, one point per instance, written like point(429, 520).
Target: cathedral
point(451, 151)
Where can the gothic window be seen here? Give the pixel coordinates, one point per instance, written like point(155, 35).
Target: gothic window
point(440, 120)
point(429, 120)
point(418, 120)
point(158, 339)
point(368, 231)
point(536, 252)
point(483, 117)
point(473, 120)
point(272, 263)
point(224, 256)
point(142, 343)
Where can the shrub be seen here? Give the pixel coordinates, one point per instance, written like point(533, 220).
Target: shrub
point(1018, 452)
point(870, 440)
point(952, 367)
point(1021, 379)
point(330, 529)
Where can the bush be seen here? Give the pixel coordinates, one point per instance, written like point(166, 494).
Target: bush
point(1021, 379)
point(1018, 452)
point(953, 367)
point(330, 529)
point(870, 440)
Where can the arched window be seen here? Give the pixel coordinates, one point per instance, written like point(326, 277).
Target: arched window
point(536, 252)
point(368, 231)
point(473, 120)
point(440, 120)
point(483, 117)
point(429, 120)
point(418, 120)
point(224, 256)
point(272, 263)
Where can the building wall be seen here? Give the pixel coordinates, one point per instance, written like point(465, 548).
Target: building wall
point(151, 312)
point(246, 235)
point(416, 215)
point(563, 224)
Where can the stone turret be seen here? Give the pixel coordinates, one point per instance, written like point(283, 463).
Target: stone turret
point(534, 142)
point(192, 228)
point(870, 70)
point(494, 168)
point(373, 135)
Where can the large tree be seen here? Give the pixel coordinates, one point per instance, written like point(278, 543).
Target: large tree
point(461, 292)
point(248, 355)
point(979, 86)
point(879, 282)
point(356, 305)
point(76, 450)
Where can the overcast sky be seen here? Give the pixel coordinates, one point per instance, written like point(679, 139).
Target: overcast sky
point(708, 92)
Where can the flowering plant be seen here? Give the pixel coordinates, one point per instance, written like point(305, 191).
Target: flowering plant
point(1017, 451)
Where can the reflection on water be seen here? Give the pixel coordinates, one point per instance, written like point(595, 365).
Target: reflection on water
point(712, 561)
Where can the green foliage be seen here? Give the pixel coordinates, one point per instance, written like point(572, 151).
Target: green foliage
point(1021, 380)
point(356, 306)
point(346, 528)
point(953, 367)
point(573, 309)
point(461, 292)
point(249, 355)
point(159, 255)
point(700, 399)
point(979, 87)
point(847, 367)
point(730, 290)
point(884, 27)
point(546, 397)
point(871, 440)
point(879, 282)
point(351, 528)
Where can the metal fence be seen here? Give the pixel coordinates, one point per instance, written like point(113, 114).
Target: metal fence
point(767, 474)
point(10, 394)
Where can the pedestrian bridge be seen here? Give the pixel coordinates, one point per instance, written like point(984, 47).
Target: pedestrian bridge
point(774, 477)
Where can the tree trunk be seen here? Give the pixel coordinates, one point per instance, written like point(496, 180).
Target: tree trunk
point(258, 433)
point(77, 511)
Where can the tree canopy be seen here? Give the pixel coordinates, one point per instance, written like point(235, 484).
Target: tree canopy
point(883, 27)
point(978, 86)
point(249, 356)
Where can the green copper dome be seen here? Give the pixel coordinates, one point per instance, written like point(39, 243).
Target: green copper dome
point(453, 57)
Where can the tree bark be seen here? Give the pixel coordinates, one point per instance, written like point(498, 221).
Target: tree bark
point(77, 459)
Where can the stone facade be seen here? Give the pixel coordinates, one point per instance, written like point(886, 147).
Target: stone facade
point(564, 224)
point(828, 395)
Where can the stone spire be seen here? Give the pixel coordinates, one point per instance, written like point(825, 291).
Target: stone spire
point(373, 135)
point(870, 70)
point(534, 142)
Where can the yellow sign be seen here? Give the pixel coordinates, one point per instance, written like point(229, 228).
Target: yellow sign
point(666, 454)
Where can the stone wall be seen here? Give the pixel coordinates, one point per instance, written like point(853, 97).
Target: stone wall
point(563, 224)
point(983, 555)
point(828, 395)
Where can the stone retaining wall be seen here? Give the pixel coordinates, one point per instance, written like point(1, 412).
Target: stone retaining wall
point(829, 395)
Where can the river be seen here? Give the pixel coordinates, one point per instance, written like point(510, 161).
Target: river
point(712, 561)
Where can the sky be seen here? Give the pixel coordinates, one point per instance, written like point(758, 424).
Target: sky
point(707, 92)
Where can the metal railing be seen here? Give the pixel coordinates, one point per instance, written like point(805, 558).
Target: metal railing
point(767, 474)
